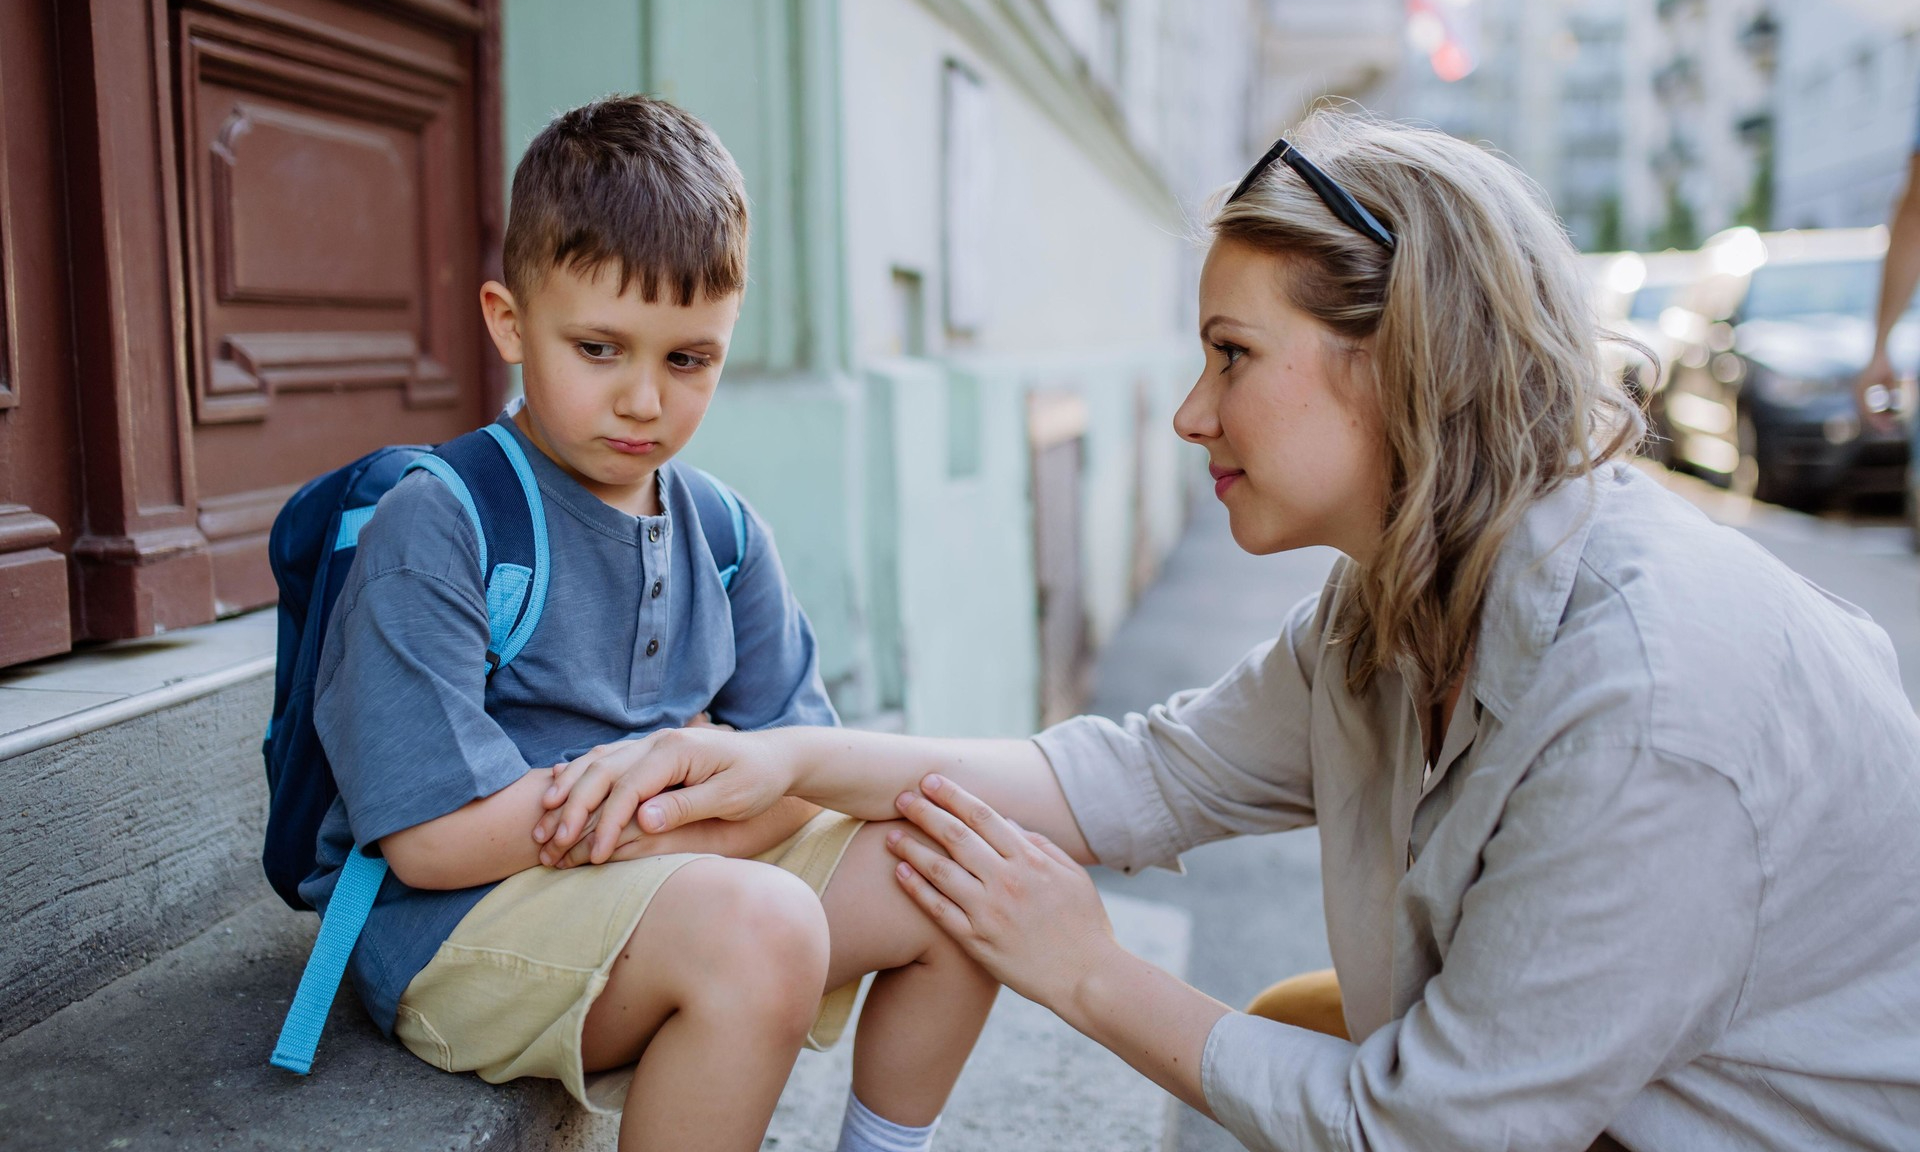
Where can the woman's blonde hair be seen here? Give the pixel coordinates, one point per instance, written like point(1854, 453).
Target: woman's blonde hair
point(1485, 375)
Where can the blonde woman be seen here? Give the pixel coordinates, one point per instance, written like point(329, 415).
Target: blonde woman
point(1619, 819)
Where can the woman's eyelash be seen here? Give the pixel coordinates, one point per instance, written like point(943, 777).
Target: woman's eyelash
point(1232, 352)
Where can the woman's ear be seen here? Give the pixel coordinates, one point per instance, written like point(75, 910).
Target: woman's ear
point(503, 316)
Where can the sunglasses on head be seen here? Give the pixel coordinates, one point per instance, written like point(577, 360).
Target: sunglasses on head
point(1337, 199)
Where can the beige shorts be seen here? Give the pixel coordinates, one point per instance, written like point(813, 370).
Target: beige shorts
point(507, 995)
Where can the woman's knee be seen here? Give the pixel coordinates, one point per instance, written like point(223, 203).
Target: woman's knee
point(1310, 1000)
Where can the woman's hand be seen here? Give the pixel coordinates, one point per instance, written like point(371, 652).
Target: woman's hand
point(600, 793)
point(743, 839)
point(1012, 899)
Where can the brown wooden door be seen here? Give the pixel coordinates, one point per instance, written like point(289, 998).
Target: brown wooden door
point(331, 192)
point(240, 242)
point(38, 474)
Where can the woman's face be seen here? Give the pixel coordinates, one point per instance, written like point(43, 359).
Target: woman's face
point(1282, 411)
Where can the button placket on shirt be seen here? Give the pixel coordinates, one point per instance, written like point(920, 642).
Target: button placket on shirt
point(655, 539)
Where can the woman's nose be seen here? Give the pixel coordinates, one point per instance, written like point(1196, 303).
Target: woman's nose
point(1197, 418)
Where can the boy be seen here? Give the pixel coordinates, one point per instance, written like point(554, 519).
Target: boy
point(625, 262)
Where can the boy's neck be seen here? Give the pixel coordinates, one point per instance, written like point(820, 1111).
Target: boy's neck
point(639, 499)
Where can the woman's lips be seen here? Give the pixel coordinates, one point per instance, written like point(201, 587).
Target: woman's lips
point(1223, 479)
point(631, 447)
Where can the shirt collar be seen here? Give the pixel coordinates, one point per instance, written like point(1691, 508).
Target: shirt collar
point(1531, 583)
point(556, 484)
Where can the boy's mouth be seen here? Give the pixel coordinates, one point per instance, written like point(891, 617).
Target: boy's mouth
point(631, 447)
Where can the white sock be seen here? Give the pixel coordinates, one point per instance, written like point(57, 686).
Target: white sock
point(862, 1131)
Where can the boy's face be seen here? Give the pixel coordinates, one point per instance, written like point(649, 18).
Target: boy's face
point(615, 385)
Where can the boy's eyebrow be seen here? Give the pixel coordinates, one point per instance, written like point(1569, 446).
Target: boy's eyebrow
point(702, 341)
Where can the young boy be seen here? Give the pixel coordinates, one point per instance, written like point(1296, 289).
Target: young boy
point(625, 262)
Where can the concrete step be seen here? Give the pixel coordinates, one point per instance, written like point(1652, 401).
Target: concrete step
point(126, 841)
point(174, 1056)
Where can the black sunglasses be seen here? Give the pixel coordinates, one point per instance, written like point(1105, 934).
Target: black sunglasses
point(1338, 200)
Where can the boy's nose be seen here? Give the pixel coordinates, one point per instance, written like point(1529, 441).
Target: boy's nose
point(640, 399)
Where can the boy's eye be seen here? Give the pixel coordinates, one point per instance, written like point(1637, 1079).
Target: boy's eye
point(594, 350)
point(1232, 352)
point(687, 361)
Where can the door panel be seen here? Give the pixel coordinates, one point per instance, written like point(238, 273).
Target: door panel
point(38, 509)
point(332, 200)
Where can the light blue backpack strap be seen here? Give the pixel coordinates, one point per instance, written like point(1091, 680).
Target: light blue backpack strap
point(444, 470)
point(534, 597)
point(346, 914)
point(738, 518)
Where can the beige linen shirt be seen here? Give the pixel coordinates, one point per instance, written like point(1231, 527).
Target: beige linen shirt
point(1663, 880)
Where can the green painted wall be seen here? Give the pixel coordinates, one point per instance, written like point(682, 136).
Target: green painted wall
point(899, 489)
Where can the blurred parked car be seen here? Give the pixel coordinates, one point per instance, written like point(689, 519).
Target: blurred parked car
point(1767, 344)
point(1631, 291)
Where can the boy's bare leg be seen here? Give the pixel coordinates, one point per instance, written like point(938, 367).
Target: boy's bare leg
point(713, 995)
point(928, 1001)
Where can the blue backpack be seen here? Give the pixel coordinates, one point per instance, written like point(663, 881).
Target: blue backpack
point(311, 549)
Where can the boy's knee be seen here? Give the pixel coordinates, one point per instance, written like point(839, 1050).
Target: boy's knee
point(765, 935)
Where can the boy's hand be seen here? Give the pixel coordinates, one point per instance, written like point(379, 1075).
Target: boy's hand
point(745, 774)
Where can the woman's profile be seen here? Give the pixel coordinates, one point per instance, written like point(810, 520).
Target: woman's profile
point(1617, 814)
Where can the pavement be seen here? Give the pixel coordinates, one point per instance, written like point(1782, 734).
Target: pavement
point(1255, 902)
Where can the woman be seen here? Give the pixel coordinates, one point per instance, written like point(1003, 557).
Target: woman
point(1617, 815)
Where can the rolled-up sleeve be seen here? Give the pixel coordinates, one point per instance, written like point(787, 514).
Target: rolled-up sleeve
point(1231, 759)
point(1606, 941)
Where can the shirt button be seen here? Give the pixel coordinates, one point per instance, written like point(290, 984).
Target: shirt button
point(653, 533)
point(653, 646)
point(655, 594)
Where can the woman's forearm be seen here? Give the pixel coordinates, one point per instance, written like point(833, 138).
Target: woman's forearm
point(862, 773)
point(1149, 1018)
point(492, 838)
point(740, 839)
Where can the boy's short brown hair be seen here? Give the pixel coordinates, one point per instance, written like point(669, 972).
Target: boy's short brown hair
point(633, 180)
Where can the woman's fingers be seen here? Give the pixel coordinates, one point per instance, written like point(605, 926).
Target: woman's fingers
point(996, 830)
point(947, 830)
point(955, 882)
point(1057, 853)
point(942, 911)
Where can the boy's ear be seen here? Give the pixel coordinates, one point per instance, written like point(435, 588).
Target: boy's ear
point(502, 314)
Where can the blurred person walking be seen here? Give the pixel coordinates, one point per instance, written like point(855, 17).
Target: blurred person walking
point(1877, 390)
point(1616, 813)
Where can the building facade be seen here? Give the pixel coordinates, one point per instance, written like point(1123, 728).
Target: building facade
point(1649, 123)
point(1846, 110)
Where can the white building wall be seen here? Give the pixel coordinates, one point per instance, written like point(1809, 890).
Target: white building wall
point(1845, 110)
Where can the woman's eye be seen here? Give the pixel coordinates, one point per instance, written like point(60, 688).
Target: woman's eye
point(1232, 352)
point(687, 361)
point(594, 350)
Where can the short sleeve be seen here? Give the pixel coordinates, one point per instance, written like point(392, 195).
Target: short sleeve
point(1232, 759)
point(776, 678)
point(399, 699)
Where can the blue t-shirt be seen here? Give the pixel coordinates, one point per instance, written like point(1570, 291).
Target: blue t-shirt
point(638, 634)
